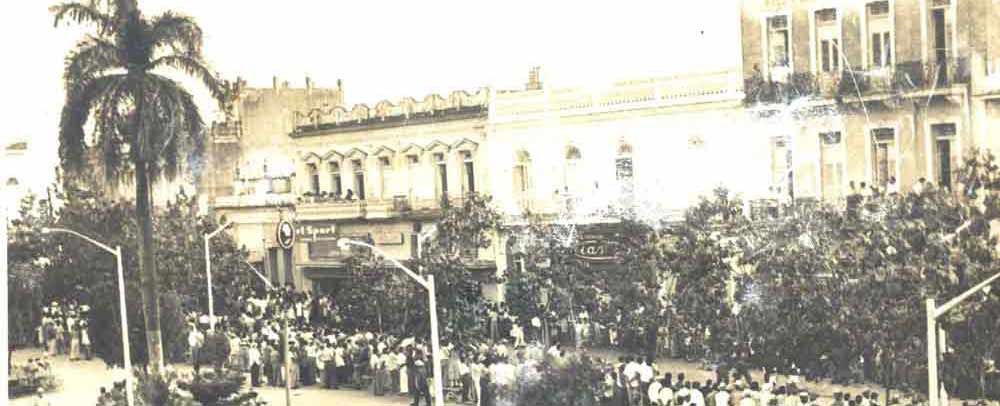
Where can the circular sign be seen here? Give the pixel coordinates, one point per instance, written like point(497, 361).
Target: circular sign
point(286, 234)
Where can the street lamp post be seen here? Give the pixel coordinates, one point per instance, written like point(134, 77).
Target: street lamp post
point(933, 314)
point(208, 274)
point(117, 251)
point(427, 283)
point(284, 337)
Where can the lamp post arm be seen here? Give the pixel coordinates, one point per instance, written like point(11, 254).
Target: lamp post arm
point(259, 275)
point(954, 302)
point(91, 240)
point(409, 273)
point(218, 230)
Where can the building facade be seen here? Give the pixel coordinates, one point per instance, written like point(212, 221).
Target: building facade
point(377, 174)
point(883, 93)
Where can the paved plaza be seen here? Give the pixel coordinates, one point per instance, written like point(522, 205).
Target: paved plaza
point(82, 380)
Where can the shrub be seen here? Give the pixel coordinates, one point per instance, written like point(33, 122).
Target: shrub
point(215, 351)
point(210, 388)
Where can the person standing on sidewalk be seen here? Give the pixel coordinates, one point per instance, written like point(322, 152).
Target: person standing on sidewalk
point(255, 363)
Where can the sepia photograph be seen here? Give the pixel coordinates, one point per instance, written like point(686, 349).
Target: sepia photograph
point(516, 203)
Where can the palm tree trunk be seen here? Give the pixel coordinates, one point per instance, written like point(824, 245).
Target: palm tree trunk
point(147, 270)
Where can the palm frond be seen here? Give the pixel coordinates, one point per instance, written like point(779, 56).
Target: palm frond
point(178, 121)
point(113, 123)
point(177, 31)
point(82, 14)
point(91, 57)
point(80, 102)
point(195, 66)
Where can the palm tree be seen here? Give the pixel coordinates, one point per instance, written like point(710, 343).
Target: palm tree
point(144, 123)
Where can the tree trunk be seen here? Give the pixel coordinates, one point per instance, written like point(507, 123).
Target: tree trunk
point(147, 270)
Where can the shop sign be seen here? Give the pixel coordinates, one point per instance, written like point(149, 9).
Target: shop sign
point(599, 249)
point(317, 230)
point(388, 238)
point(285, 234)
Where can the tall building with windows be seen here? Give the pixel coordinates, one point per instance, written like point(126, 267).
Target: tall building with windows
point(577, 155)
point(878, 92)
point(377, 174)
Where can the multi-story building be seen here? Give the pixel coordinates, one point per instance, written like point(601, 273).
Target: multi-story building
point(13, 185)
point(375, 174)
point(881, 92)
point(656, 145)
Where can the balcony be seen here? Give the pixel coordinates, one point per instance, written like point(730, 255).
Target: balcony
point(331, 208)
point(254, 200)
point(901, 79)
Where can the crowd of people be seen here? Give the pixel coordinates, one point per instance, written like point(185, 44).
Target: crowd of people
point(63, 330)
point(485, 373)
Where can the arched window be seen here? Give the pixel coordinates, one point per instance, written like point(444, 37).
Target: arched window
point(313, 178)
point(522, 161)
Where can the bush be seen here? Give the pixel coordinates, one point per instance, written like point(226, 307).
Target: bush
point(209, 388)
point(573, 382)
point(27, 378)
point(215, 351)
point(150, 390)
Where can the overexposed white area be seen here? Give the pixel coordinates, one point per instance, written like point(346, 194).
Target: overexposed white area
point(384, 49)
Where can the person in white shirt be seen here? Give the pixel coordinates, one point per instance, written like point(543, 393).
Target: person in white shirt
point(653, 392)
point(255, 365)
point(722, 397)
point(666, 394)
point(465, 376)
point(646, 374)
point(747, 399)
point(697, 398)
point(631, 372)
point(328, 358)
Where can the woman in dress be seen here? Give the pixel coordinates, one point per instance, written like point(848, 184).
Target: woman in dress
point(74, 339)
point(377, 368)
point(88, 352)
point(404, 378)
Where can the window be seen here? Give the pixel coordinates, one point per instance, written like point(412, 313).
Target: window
point(469, 172)
point(778, 46)
point(521, 162)
point(831, 164)
point(781, 165)
point(944, 136)
point(828, 40)
point(313, 179)
point(883, 156)
point(941, 26)
point(336, 183)
point(385, 177)
point(413, 165)
point(623, 168)
point(359, 178)
point(442, 174)
point(879, 32)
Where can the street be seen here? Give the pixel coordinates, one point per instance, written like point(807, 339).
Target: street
point(82, 381)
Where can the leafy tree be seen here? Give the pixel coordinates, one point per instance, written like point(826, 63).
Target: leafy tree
point(144, 122)
point(25, 267)
point(699, 255)
point(379, 292)
point(75, 269)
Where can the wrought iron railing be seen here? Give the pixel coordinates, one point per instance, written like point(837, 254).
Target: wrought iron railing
point(901, 78)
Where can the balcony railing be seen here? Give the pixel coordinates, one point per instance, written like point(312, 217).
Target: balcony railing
point(255, 200)
point(902, 78)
